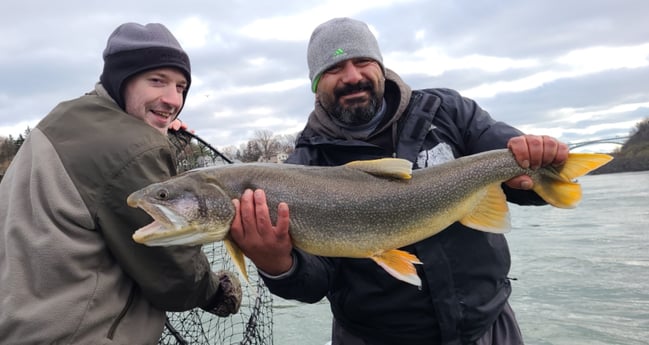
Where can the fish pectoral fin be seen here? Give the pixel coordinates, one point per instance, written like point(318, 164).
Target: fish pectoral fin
point(237, 257)
point(385, 167)
point(558, 189)
point(399, 264)
point(491, 213)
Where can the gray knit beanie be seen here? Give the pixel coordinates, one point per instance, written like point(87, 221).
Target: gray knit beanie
point(133, 48)
point(337, 40)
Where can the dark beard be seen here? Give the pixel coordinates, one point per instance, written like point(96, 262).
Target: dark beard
point(354, 115)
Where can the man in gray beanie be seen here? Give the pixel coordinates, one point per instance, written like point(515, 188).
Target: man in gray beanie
point(338, 40)
point(365, 111)
point(71, 272)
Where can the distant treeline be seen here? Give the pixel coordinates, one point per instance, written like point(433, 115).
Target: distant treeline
point(8, 149)
point(633, 155)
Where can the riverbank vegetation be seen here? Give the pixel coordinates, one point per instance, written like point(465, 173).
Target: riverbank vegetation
point(633, 155)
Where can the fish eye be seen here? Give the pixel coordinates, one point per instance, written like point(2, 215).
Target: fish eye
point(162, 194)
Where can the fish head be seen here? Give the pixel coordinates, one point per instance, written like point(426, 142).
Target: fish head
point(187, 210)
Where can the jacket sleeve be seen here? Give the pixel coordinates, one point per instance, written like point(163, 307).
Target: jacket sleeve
point(173, 278)
point(474, 131)
point(308, 281)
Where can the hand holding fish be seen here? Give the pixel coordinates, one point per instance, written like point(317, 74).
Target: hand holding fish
point(534, 152)
point(269, 247)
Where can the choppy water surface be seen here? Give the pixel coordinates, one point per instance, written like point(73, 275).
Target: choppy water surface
point(582, 274)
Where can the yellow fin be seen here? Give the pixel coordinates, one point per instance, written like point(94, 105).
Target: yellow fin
point(558, 193)
point(237, 257)
point(385, 167)
point(558, 189)
point(399, 264)
point(491, 213)
point(579, 164)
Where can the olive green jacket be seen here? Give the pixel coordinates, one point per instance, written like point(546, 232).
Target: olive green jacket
point(70, 272)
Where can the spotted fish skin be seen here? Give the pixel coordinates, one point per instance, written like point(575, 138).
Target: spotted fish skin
point(364, 209)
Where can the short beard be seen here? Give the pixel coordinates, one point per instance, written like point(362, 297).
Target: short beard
point(356, 115)
point(353, 115)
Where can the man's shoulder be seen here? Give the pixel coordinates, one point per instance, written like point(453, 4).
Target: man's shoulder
point(91, 128)
point(449, 101)
point(443, 93)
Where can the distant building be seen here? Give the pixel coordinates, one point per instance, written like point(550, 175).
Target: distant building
point(282, 157)
point(278, 158)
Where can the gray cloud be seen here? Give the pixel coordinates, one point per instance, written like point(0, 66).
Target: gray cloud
point(250, 77)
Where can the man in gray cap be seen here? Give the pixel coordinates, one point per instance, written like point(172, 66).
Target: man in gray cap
point(71, 273)
point(366, 111)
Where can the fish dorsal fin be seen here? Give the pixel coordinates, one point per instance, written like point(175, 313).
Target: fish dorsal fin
point(491, 213)
point(384, 167)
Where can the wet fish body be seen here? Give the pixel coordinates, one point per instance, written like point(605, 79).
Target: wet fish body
point(365, 209)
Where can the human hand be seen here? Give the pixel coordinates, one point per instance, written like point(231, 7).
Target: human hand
point(227, 299)
point(269, 247)
point(177, 125)
point(533, 152)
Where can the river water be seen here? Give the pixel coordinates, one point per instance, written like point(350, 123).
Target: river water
point(582, 275)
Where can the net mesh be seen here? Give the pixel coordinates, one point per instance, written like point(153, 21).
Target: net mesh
point(253, 325)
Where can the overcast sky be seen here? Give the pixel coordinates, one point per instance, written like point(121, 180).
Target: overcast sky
point(577, 70)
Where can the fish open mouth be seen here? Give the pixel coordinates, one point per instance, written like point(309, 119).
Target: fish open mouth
point(167, 228)
point(148, 232)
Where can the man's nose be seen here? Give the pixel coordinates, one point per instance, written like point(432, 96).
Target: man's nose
point(351, 74)
point(172, 97)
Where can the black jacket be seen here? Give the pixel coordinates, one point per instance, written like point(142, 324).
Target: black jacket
point(464, 271)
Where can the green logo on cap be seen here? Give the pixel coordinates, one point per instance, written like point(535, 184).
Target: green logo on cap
point(339, 52)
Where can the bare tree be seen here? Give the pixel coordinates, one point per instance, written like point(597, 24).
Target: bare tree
point(265, 146)
point(286, 143)
point(267, 143)
point(231, 152)
point(250, 151)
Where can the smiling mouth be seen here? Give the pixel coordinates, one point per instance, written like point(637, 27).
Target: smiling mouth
point(355, 94)
point(164, 114)
point(359, 97)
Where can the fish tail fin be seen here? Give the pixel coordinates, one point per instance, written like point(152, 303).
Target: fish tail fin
point(399, 264)
point(491, 213)
point(556, 185)
point(237, 257)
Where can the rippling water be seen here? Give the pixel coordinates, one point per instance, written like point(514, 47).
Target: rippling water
point(582, 274)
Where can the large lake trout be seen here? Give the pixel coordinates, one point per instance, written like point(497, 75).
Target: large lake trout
point(364, 209)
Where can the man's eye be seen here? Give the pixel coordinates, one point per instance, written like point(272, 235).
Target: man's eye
point(334, 70)
point(363, 62)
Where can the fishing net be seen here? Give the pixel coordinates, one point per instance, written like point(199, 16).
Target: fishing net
point(253, 325)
